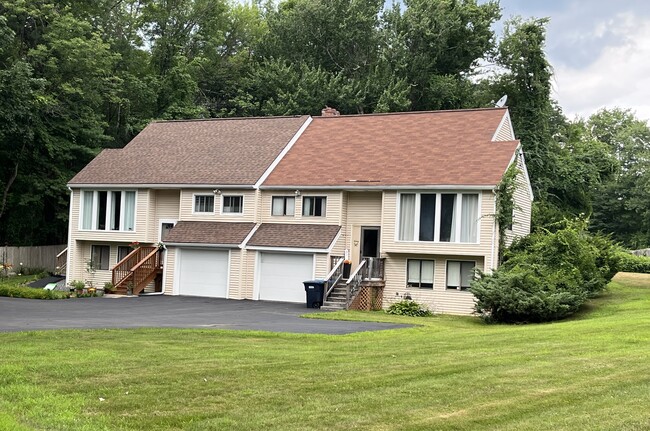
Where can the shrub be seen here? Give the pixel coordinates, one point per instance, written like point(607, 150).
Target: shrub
point(408, 307)
point(547, 275)
point(27, 270)
point(31, 293)
point(632, 263)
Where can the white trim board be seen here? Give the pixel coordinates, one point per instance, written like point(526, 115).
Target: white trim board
point(284, 151)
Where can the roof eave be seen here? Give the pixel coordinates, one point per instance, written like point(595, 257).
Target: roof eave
point(160, 186)
point(382, 187)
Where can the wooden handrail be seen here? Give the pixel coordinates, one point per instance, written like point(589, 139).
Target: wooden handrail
point(123, 270)
point(356, 271)
point(65, 250)
point(337, 266)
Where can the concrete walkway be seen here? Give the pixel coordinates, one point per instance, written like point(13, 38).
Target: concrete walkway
point(17, 314)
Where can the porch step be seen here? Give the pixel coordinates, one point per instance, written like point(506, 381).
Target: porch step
point(333, 306)
point(336, 299)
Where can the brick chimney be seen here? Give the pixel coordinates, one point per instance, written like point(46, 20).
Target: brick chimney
point(329, 112)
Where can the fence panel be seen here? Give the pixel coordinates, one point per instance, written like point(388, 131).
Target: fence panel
point(31, 257)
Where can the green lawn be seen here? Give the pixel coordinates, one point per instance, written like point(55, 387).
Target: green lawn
point(450, 373)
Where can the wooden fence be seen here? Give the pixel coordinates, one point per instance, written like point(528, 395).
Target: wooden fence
point(31, 257)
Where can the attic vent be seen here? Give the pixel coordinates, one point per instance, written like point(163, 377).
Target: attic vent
point(329, 112)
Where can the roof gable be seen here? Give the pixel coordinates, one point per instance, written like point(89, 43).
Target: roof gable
point(446, 148)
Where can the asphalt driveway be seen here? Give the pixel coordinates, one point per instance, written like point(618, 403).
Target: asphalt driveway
point(17, 314)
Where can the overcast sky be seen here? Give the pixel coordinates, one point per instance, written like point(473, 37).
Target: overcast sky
point(599, 50)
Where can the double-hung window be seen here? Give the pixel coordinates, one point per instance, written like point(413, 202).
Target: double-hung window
point(460, 274)
point(99, 255)
point(203, 203)
point(233, 204)
point(108, 210)
point(283, 206)
point(314, 206)
point(443, 217)
point(419, 273)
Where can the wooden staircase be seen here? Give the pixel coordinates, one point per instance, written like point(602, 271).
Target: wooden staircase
point(336, 300)
point(137, 270)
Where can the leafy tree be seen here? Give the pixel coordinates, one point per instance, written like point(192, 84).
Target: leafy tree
point(622, 203)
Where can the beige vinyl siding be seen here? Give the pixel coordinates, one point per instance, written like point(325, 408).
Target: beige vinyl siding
point(169, 268)
point(234, 276)
point(84, 251)
point(439, 299)
point(80, 240)
point(249, 266)
point(504, 132)
point(332, 211)
point(187, 206)
point(165, 204)
point(486, 231)
point(523, 207)
point(363, 209)
point(322, 265)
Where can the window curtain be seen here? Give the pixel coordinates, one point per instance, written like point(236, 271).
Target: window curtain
point(291, 206)
point(466, 274)
point(407, 217)
point(427, 271)
point(413, 271)
point(453, 274)
point(278, 206)
point(307, 206)
point(129, 210)
point(469, 218)
point(87, 212)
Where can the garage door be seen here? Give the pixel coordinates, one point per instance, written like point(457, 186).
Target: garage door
point(282, 274)
point(204, 273)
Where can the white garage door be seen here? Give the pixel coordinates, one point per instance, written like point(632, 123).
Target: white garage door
point(204, 273)
point(282, 274)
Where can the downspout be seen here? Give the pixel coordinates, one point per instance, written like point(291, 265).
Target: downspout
point(494, 228)
point(68, 267)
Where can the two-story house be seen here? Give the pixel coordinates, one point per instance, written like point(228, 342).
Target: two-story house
point(251, 208)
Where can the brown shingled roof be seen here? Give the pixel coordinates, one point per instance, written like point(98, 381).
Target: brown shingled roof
point(219, 151)
point(411, 148)
point(209, 232)
point(317, 236)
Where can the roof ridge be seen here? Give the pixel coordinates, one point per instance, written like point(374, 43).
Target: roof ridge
point(192, 120)
point(441, 111)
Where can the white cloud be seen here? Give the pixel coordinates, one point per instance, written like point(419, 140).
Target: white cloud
point(617, 75)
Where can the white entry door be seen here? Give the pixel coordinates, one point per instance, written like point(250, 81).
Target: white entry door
point(203, 273)
point(281, 276)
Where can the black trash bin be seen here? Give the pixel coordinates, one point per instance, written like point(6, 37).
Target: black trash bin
point(314, 291)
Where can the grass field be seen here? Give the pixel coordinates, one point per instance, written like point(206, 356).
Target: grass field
point(450, 373)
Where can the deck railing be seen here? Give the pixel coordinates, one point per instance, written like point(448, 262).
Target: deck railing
point(334, 276)
point(123, 270)
point(62, 261)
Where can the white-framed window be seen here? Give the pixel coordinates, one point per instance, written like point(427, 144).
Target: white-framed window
point(108, 210)
point(99, 255)
point(232, 204)
point(439, 217)
point(283, 206)
point(419, 273)
point(460, 274)
point(122, 252)
point(314, 206)
point(204, 203)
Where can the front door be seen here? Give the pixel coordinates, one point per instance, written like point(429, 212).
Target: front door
point(369, 242)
